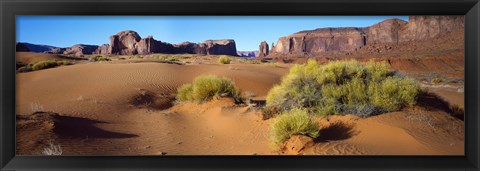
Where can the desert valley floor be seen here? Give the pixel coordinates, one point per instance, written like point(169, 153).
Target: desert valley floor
point(126, 108)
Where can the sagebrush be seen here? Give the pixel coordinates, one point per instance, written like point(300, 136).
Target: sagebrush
point(343, 87)
point(293, 122)
point(205, 88)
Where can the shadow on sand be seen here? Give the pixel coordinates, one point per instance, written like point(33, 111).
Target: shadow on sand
point(75, 127)
point(337, 131)
point(432, 101)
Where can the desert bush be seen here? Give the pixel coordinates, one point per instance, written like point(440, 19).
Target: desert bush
point(135, 57)
point(26, 68)
point(64, 62)
point(44, 65)
point(99, 58)
point(205, 88)
point(185, 93)
point(224, 60)
point(437, 80)
point(293, 122)
point(343, 87)
point(168, 58)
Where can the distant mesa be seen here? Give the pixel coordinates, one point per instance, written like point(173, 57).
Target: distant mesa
point(248, 54)
point(348, 40)
point(130, 43)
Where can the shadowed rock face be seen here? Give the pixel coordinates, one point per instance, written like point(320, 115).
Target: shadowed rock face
point(388, 31)
point(150, 45)
point(123, 43)
point(221, 47)
point(322, 41)
point(80, 49)
point(263, 49)
point(351, 39)
point(104, 49)
point(425, 27)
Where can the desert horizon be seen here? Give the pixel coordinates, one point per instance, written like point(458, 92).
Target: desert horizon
point(381, 86)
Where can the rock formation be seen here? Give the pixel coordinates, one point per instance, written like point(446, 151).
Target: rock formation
point(150, 45)
point(326, 41)
point(248, 53)
point(104, 49)
point(425, 27)
point(130, 43)
point(80, 49)
point(263, 49)
point(123, 43)
point(388, 31)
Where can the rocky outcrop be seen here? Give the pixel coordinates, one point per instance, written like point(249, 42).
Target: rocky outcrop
point(248, 53)
point(104, 49)
point(388, 33)
point(324, 40)
point(263, 49)
point(221, 47)
point(149, 45)
point(80, 49)
point(426, 27)
point(192, 48)
point(123, 43)
point(130, 43)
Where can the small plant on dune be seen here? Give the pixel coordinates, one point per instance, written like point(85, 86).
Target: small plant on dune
point(135, 57)
point(26, 68)
point(44, 65)
point(224, 60)
point(52, 149)
point(121, 58)
point(437, 80)
point(293, 122)
point(204, 88)
point(167, 58)
point(99, 58)
point(342, 87)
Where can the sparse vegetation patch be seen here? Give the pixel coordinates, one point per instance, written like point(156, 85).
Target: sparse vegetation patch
point(293, 122)
point(342, 87)
point(224, 60)
point(204, 88)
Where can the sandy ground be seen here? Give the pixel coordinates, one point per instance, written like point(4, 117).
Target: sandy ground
point(108, 108)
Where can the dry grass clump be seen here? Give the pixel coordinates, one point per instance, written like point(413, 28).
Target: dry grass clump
point(293, 122)
point(44, 65)
point(436, 80)
point(342, 87)
point(224, 60)
point(204, 88)
point(99, 58)
point(52, 149)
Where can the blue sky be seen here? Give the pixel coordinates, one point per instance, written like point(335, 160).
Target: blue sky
point(247, 31)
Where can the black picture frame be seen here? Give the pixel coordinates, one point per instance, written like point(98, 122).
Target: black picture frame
point(11, 8)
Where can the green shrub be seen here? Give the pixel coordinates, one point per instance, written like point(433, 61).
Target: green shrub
point(167, 58)
point(26, 68)
point(64, 62)
point(136, 57)
point(437, 80)
point(293, 122)
point(343, 87)
point(44, 65)
point(205, 88)
point(99, 58)
point(224, 60)
point(185, 92)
